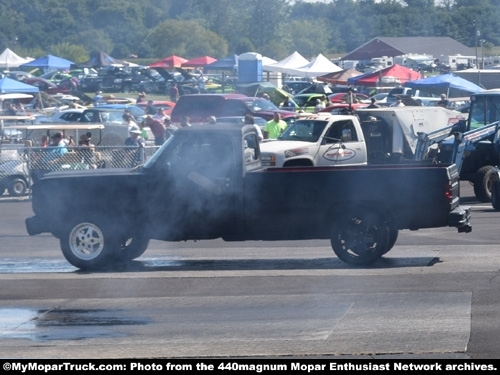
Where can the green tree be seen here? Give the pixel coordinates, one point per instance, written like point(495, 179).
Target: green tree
point(171, 38)
point(72, 52)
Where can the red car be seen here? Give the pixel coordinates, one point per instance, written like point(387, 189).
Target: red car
point(65, 86)
point(165, 104)
point(341, 97)
point(341, 108)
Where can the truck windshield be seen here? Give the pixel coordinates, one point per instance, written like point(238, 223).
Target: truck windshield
point(304, 130)
point(485, 109)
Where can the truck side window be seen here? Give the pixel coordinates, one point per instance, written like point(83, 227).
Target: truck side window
point(250, 149)
point(341, 131)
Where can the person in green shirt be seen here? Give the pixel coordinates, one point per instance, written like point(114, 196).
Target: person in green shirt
point(274, 127)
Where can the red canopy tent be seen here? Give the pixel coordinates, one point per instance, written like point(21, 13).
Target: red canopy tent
point(392, 74)
point(339, 78)
point(199, 62)
point(169, 62)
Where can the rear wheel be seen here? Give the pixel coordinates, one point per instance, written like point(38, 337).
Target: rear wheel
point(495, 196)
point(88, 243)
point(483, 183)
point(131, 248)
point(360, 238)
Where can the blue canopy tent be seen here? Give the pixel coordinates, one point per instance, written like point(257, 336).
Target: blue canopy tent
point(48, 62)
point(450, 84)
point(9, 86)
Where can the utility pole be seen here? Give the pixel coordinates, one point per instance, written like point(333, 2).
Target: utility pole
point(476, 35)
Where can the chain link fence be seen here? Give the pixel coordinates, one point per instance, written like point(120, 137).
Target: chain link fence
point(21, 166)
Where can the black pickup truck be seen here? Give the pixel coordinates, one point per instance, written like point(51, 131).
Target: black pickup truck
point(207, 182)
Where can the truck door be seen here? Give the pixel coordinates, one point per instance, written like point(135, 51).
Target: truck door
point(195, 199)
point(341, 145)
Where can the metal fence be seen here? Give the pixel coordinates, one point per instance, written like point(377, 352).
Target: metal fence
point(21, 166)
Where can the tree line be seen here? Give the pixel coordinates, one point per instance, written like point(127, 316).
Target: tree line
point(153, 29)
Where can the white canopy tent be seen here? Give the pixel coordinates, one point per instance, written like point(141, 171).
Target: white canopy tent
point(295, 60)
point(317, 67)
point(8, 59)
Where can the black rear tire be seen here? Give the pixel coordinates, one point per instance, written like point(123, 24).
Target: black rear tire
point(131, 249)
point(495, 196)
point(483, 183)
point(360, 238)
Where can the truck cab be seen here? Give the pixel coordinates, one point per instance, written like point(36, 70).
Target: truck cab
point(320, 140)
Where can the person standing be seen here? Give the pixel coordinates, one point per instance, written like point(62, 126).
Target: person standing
point(169, 127)
point(443, 102)
point(136, 146)
point(98, 98)
point(274, 127)
point(399, 102)
point(174, 93)
point(157, 128)
point(250, 120)
point(150, 108)
point(319, 106)
point(373, 103)
point(141, 97)
point(185, 122)
point(288, 105)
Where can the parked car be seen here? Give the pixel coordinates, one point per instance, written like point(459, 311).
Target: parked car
point(307, 102)
point(341, 97)
point(165, 104)
point(293, 87)
point(66, 116)
point(137, 111)
point(115, 130)
point(65, 86)
point(199, 107)
point(18, 75)
point(55, 76)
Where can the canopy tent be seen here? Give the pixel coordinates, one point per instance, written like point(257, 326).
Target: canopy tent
point(169, 62)
point(49, 62)
point(8, 59)
point(276, 94)
point(100, 59)
point(317, 67)
point(8, 86)
point(199, 62)
point(452, 85)
point(395, 74)
point(341, 77)
point(267, 61)
point(295, 60)
point(227, 63)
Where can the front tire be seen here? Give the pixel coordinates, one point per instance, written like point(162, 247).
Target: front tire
point(360, 238)
point(17, 187)
point(88, 243)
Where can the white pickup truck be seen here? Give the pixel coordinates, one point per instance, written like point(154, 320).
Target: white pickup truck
point(373, 136)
